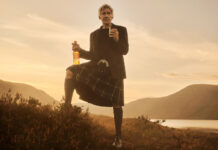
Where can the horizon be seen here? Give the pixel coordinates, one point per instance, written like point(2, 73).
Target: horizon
point(172, 44)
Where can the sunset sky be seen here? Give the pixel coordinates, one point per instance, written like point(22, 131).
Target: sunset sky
point(172, 43)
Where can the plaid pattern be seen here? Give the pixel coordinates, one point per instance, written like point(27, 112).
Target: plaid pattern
point(106, 89)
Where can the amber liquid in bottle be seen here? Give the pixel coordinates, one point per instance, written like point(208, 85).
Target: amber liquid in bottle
point(76, 58)
point(75, 55)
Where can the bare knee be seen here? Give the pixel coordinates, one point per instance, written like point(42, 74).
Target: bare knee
point(69, 74)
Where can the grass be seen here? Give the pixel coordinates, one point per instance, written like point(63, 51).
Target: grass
point(26, 124)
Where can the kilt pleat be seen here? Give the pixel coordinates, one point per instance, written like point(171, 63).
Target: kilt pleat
point(96, 88)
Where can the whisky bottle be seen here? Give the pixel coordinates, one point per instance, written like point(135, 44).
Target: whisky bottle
point(76, 57)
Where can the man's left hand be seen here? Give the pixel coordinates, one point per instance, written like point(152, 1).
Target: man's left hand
point(114, 33)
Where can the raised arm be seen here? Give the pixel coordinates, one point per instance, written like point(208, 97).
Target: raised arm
point(122, 45)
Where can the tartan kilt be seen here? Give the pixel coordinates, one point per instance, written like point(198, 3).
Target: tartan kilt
point(96, 88)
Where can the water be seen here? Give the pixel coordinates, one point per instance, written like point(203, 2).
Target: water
point(211, 124)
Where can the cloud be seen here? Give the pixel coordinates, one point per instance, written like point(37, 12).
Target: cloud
point(33, 37)
point(35, 26)
point(14, 42)
point(142, 37)
point(10, 27)
point(50, 29)
point(150, 55)
point(174, 75)
point(192, 76)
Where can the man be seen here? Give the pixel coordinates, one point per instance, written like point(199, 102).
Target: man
point(108, 44)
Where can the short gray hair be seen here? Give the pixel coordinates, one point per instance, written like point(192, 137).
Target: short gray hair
point(104, 7)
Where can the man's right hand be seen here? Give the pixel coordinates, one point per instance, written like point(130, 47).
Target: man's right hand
point(75, 46)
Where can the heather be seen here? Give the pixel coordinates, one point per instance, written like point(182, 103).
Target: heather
point(26, 124)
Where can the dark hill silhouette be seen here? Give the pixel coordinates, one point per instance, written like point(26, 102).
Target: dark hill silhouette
point(26, 91)
point(199, 101)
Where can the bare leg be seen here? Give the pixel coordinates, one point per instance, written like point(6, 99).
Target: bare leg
point(69, 87)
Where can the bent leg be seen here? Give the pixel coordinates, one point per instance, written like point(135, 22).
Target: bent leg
point(69, 86)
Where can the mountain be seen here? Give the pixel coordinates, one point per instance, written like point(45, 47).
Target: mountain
point(198, 101)
point(26, 91)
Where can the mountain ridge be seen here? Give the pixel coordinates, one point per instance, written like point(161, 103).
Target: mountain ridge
point(184, 104)
point(26, 90)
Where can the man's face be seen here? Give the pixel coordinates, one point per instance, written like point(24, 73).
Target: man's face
point(106, 16)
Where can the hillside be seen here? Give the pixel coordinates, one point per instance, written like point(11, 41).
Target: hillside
point(26, 91)
point(198, 101)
